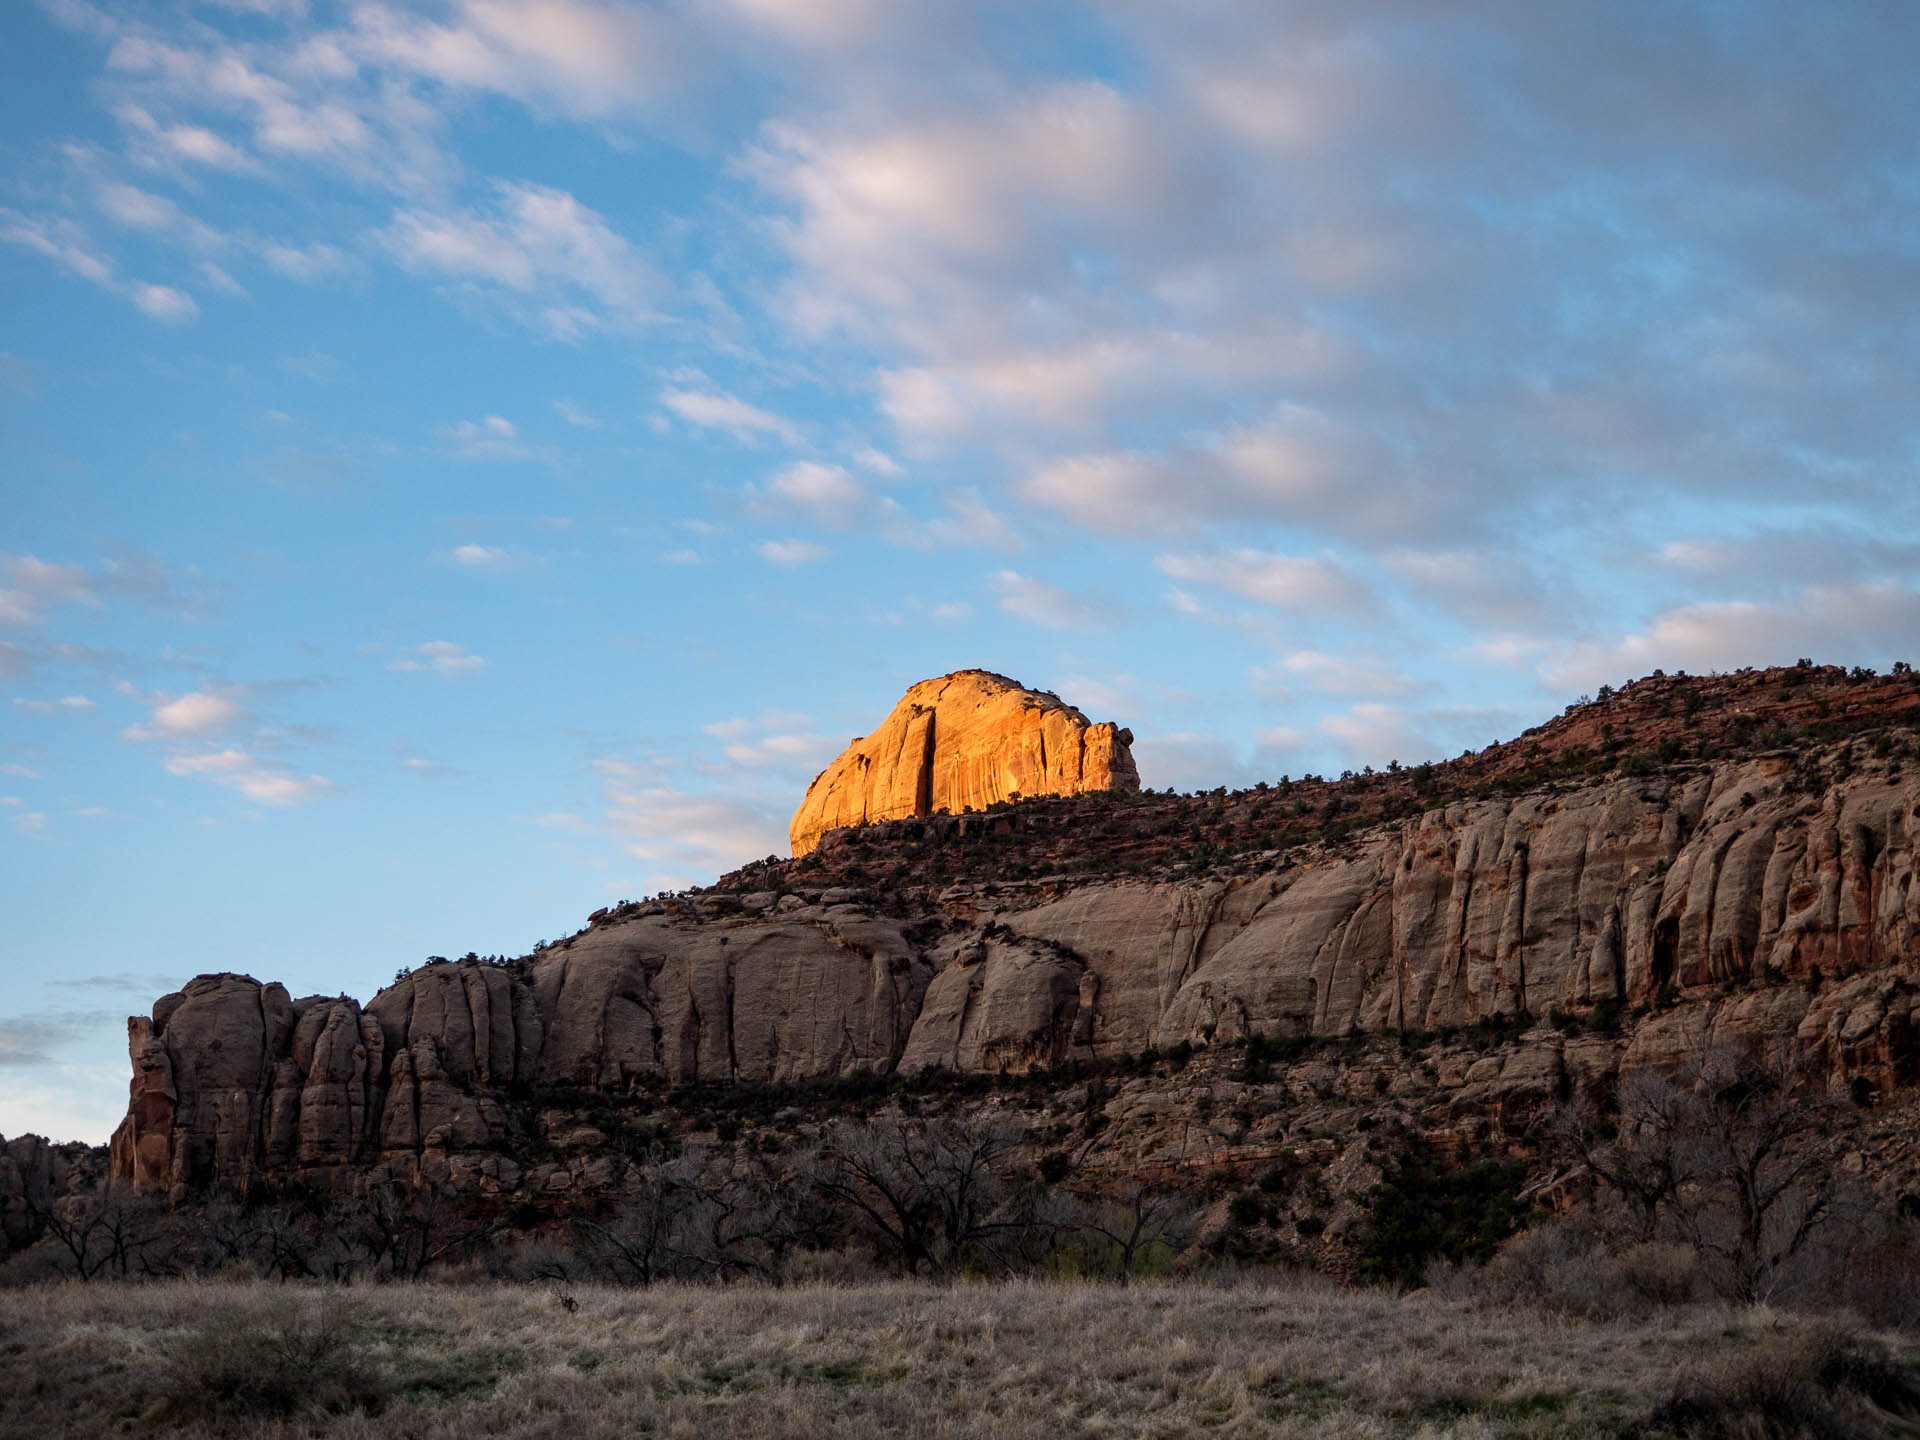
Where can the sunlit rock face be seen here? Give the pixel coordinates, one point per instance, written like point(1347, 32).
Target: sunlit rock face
point(965, 740)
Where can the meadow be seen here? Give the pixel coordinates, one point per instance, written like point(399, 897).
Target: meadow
point(1253, 1357)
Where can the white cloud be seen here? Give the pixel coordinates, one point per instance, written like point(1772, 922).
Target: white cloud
point(574, 415)
point(590, 59)
point(481, 557)
point(703, 833)
point(238, 770)
point(31, 823)
point(717, 410)
point(826, 494)
point(31, 584)
point(971, 522)
point(1038, 601)
point(556, 264)
point(163, 303)
point(66, 703)
point(193, 715)
point(877, 461)
point(1331, 674)
point(24, 772)
point(1846, 624)
point(1288, 582)
point(305, 264)
point(494, 438)
point(443, 657)
point(791, 554)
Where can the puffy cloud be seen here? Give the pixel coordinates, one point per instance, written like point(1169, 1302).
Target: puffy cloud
point(1330, 674)
point(587, 58)
point(494, 438)
point(66, 703)
point(689, 832)
point(1288, 582)
point(481, 557)
point(554, 263)
point(443, 657)
point(239, 770)
point(717, 410)
point(826, 494)
point(1872, 623)
point(29, 584)
point(1036, 600)
point(791, 554)
point(66, 244)
point(196, 714)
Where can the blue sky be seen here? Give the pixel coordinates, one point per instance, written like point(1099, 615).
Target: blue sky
point(468, 462)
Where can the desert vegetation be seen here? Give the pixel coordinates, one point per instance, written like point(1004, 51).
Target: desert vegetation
point(914, 1358)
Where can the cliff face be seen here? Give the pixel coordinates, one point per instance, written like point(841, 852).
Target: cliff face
point(966, 740)
point(1740, 908)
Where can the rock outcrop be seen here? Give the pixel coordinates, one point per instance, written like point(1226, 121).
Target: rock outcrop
point(964, 741)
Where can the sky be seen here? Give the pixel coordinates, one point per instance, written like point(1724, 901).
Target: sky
point(466, 462)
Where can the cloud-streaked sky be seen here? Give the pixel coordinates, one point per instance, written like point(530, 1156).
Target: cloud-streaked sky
point(469, 461)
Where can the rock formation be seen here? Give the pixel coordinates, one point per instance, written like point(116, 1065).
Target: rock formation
point(964, 741)
point(1765, 902)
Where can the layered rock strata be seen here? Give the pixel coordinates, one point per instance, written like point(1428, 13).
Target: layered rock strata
point(1741, 910)
point(963, 742)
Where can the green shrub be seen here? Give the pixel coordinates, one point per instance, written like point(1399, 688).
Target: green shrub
point(1422, 1211)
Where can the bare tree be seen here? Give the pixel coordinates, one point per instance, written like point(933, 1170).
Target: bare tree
point(926, 1193)
point(1120, 1231)
point(108, 1232)
point(1730, 1160)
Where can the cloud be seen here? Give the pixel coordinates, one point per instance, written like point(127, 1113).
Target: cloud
point(878, 462)
point(305, 472)
point(554, 264)
point(970, 522)
point(29, 584)
point(307, 264)
point(66, 244)
point(716, 410)
point(826, 494)
point(701, 833)
point(1873, 623)
point(584, 58)
point(1288, 582)
point(1330, 674)
point(442, 657)
point(238, 770)
point(1038, 601)
point(481, 557)
point(574, 415)
point(195, 715)
point(65, 704)
point(31, 823)
point(791, 554)
point(493, 438)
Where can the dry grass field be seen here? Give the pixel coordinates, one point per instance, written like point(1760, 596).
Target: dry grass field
point(906, 1359)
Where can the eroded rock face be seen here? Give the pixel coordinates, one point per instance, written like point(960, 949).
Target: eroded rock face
point(966, 740)
point(1747, 914)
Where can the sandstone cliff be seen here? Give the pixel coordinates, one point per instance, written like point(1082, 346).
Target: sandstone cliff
point(964, 741)
point(1731, 904)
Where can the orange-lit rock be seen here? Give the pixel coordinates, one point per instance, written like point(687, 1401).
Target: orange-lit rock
point(965, 740)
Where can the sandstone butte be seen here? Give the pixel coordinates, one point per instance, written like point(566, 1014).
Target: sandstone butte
point(1681, 865)
point(963, 742)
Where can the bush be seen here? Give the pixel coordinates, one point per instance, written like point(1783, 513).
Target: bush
point(296, 1359)
point(1422, 1210)
point(1820, 1382)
